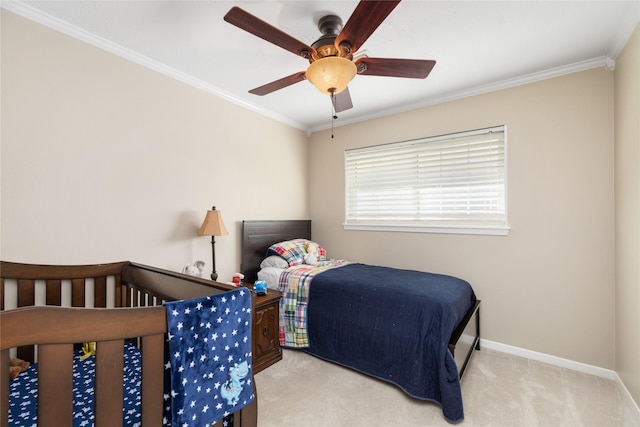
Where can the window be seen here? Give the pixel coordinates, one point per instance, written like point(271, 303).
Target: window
point(451, 183)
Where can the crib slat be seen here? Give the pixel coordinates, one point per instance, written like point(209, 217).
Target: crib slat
point(27, 292)
point(55, 385)
point(100, 292)
point(26, 298)
point(54, 292)
point(145, 299)
point(142, 298)
point(77, 293)
point(152, 383)
point(118, 296)
point(134, 298)
point(27, 353)
point(109, 393)
point(4, 389)
point(126, 296)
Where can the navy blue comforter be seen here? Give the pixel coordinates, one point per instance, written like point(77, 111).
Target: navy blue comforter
point(392, 324)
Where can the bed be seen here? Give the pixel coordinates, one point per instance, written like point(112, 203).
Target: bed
point(49, 311)
point(413, 329)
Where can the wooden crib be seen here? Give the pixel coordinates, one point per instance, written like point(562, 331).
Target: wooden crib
point(57, 307)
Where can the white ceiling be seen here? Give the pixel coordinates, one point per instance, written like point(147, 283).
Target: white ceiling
point(478, 45)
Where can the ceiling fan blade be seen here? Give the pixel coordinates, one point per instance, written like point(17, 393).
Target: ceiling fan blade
point(342, 101)
point(392, 67)
point(256, 26)
point(364, 20)
point(279, 84)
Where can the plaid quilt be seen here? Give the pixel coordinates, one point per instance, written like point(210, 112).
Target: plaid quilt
point(294, 283)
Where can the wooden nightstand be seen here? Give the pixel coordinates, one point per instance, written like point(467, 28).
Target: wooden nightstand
point(266, 343)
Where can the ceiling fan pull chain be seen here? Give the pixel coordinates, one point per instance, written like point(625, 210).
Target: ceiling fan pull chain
point(333, 117)
point(333, 110)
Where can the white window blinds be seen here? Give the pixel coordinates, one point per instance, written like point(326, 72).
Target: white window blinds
point(455, 180)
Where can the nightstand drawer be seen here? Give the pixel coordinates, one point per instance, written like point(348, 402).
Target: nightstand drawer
point(266, 343)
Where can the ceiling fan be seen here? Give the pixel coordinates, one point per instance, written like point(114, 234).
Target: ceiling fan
point(331, 57)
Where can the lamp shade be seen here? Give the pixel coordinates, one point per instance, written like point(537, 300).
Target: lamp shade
point(213, 224)
point(332, 74)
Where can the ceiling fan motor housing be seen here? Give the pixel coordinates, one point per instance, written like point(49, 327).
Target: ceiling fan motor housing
point(330, 27)
point(330, 24)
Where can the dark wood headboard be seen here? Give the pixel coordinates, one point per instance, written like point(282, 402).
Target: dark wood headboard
point(257, 236)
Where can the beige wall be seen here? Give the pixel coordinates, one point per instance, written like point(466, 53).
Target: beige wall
point(627, 179)
point(549, 285)
point(104, 160)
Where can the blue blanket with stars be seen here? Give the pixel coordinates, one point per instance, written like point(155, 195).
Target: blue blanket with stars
point(209, 358)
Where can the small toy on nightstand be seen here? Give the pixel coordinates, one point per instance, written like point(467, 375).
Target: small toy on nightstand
point(260, 287)
point(238, 279)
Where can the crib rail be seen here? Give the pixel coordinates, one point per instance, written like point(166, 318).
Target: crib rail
point(28, 275)
point(55, 329)
point(86, 286)
point(142, 285)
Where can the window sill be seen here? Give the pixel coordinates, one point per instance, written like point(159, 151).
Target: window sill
point(488, 231)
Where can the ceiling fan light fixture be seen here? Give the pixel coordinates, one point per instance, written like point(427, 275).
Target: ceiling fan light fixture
point(332, 74)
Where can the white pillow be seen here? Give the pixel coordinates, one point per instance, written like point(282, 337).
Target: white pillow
point(271, 275)
point(274, 261)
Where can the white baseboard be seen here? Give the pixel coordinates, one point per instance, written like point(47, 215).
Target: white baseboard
point(547, 358)
point(633, 406)
point(569, 364)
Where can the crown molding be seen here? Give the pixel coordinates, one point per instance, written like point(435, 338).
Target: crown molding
point(626, 30)
point(35, 15)
point(603, 61)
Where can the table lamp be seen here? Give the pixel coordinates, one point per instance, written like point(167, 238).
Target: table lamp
point(213, 226)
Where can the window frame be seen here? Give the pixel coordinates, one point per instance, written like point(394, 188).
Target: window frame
point(471, 227)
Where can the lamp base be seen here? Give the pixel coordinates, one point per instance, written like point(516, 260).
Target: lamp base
point(214, 276)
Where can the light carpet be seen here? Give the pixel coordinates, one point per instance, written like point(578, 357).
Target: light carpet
point(498, 389)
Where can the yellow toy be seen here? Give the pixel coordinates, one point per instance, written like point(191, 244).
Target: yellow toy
point(88, 349)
